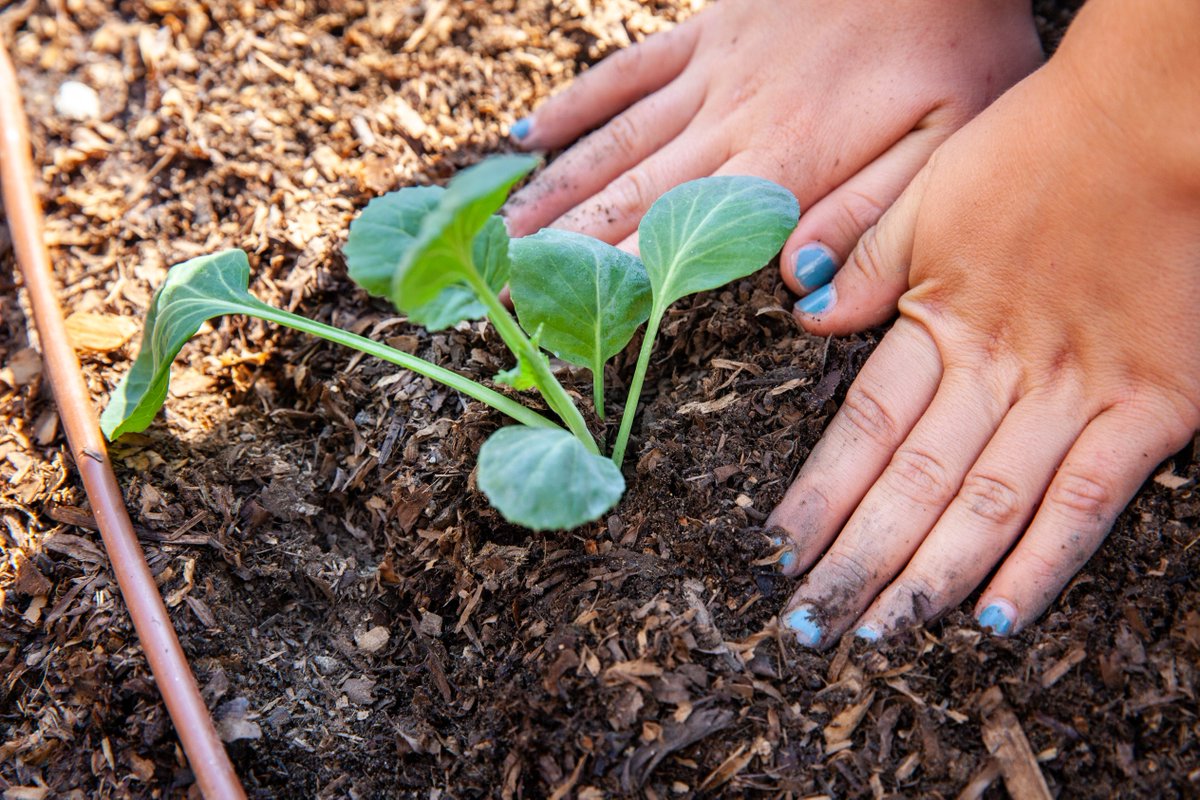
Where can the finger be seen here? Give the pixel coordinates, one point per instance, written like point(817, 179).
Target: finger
point(992, 507)
point(589, 166)
point(891, 392)
point(608, 88)
point(900, 509)
point(865, 289)
point(614, 213)
point(1105, 467)
point(829, 230)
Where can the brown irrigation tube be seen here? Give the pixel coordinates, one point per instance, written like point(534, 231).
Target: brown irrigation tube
point(210, 764)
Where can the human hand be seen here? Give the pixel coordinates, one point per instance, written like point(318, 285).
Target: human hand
point(1047, 355)
point(841, 103)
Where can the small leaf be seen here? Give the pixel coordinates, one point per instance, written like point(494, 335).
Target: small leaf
point(705, 233)
point(522, 376)
point(442, 253)
point(194, 291)
point(545, 479)
point(587, 297)
point(384, 232)
point(457, 301)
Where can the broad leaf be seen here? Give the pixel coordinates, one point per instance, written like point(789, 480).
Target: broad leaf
point(194, 292)
point(705, 233)
point(441, 254)
point(587, 297)
point(700, 235)
point(383, 234)
point(546, 480)
point(458, 301)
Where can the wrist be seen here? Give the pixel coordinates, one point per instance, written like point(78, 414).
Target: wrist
point(1134, 70)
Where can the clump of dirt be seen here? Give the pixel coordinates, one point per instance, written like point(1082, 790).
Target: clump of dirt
point(362, 624)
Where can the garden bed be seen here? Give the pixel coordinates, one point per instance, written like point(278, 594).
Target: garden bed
point(361, 622)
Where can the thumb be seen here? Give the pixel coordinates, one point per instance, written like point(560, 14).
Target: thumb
point(864, 291)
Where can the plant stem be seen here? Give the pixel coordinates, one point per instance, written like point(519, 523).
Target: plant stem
point(598, 390)
point(516, 340)
point(635, 387)
point(504, 405)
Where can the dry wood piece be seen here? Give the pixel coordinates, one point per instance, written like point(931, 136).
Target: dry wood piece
point(1005, 740)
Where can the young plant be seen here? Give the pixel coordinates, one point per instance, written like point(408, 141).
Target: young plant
point(441, 256)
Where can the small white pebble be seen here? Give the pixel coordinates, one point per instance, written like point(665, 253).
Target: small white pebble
point(373, 639)
point(77, 101)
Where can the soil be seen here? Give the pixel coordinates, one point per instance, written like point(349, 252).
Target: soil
point(362, 624)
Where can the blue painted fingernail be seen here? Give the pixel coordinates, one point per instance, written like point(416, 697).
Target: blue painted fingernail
point(801, 622)
point(814, 266)
point(998, 618)
point(867, 633)
point(520, 128)
point(787, 559)
point(819, 301)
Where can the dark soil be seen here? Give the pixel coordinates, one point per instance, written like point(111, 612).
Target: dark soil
point(362, 623)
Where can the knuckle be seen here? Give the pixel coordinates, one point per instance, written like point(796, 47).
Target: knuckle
point(628, 61)
point(991, 499)
point(621, 134)
point(920, 477)
point(926, 595)
point(630, 193)
point(848, 568)
point(865, 415)
point(1080, 497)
point(1040, 568)
point(868, 257)
point(861, 211)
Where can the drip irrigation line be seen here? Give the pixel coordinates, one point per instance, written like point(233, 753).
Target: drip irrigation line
point(206, 755)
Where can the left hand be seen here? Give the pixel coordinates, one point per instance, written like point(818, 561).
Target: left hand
point(1046, 359)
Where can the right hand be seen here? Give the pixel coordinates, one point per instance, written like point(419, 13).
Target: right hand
point(841, 103)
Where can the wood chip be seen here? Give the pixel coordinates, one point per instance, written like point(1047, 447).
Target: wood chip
point(842, 727)
point(710, 406)
point(1061, 667)
point(1006, 741)
point(1170, 480)
point(99, 333)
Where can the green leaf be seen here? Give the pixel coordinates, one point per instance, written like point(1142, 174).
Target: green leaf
point(442, 253)
point(705, 233)
point(384, 232)
point(194, 292)
point(546, 480)
point(523, 375)
point(213, 285)
point(587, 297)
point(700, 235)
point(458, 301)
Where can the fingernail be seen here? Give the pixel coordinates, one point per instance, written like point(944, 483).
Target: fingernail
point(819, 301)
point(787, 559)
point(801, 623)
point(867, 633)
point(998, 617)
point(520, 128)
point(814, 266)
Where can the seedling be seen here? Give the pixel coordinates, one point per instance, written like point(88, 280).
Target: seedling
point(441, 256)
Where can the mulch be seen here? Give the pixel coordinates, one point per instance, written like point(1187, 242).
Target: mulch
point(361, 623)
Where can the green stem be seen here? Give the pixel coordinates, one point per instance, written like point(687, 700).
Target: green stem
point(635, 387)
point(504, 405)
point(598, 390)
point(516, 340)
